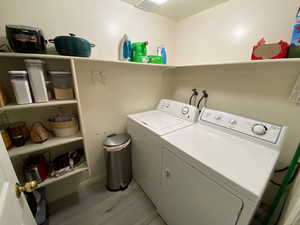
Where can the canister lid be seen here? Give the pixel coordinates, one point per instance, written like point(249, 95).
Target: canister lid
point(116, 140)
point(60, 73)
point(22, 27)
point(17, 72)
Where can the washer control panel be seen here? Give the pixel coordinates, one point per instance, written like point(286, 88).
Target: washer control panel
point(258, 129)
point(178, 109)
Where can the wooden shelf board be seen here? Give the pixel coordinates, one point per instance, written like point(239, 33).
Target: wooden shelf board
point(13, 106)
point(30, 147)
point(76, 170)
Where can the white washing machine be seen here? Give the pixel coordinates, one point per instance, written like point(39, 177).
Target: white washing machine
point(215, 171)
point(146, 130)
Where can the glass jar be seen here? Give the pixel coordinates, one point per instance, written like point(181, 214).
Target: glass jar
point(19, 133)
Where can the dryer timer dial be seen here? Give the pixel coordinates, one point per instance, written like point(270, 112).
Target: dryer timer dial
point(259, 129)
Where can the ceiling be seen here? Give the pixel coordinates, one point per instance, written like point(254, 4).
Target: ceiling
point(175, 9)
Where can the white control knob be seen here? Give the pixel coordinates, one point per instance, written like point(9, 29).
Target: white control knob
point(217, 117)
point(233, 122)
point(185, 110)
point(259, 129)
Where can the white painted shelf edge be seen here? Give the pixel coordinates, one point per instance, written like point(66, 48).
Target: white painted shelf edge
point(168, 66)
point(243, 62)
point(76, 170)
point(46, 56)
point(30, 147)
point(14, 106)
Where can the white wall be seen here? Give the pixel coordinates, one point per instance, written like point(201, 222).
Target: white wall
point(228, 31)
point(102, 22)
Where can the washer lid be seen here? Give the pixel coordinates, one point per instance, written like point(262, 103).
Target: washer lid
point(116, 140)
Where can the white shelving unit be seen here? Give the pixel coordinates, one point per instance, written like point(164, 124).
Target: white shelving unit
point(9, 61)
point(31, 147)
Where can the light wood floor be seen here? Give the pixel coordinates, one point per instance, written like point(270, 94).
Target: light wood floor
point(97, 206)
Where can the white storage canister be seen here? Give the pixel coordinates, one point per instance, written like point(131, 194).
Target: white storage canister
point(35, 68)
point(20, 85)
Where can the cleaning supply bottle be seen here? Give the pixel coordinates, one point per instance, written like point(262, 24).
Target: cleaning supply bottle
point(158, 51)
point(164, 55)
point(121, 47)
point(125, 48)
point(139, 52)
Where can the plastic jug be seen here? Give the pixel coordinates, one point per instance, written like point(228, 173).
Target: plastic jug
point(139, 52)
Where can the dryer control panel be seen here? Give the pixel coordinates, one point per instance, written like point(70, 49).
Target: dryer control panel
point(254, 128)
point(178, 109)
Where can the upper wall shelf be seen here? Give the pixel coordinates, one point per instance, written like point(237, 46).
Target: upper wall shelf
point(289, 64)
point(46, 56)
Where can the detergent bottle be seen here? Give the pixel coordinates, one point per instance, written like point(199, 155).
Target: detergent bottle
point(125, 49)
point(139, 52)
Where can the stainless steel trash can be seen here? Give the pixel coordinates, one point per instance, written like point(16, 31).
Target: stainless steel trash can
point(117, 148)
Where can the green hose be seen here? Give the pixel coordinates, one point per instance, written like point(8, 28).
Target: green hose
point(283, 186)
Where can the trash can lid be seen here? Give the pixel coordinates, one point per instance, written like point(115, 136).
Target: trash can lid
point(116, 140)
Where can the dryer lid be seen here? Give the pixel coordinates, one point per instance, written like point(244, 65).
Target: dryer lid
point(157, 120)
